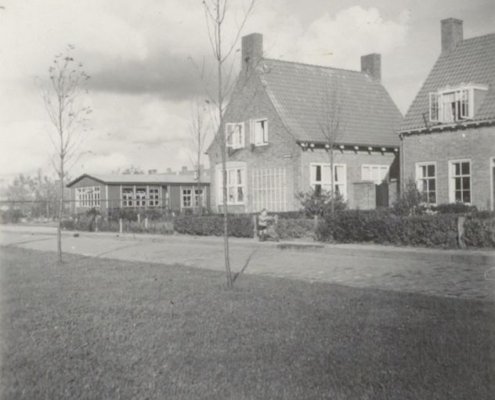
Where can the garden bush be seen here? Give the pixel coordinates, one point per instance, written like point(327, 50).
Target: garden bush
point(454, 208)
point(387, 228)
point(11, 216)
point(479, 232)
point(294, 228)
point(212, 225)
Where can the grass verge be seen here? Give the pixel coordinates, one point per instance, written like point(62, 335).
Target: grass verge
point(96, 328)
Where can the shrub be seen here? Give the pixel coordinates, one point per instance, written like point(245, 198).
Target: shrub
point(293, 228)
point(11, 216)
point(409, 203)
point(454, 208)
point(320, 202)
point(386, 228)
point(479, 232)
point(212, 225)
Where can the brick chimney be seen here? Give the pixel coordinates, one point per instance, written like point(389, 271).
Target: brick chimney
point(371, 65)
point(252, 50)
point(452, 33)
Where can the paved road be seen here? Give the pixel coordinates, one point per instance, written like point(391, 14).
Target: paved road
point(464, 274)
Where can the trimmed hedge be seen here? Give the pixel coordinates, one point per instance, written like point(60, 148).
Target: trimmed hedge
point(386, 228)
point(212, 225)
point(295, 228)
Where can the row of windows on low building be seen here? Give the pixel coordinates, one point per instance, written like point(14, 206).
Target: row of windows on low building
point(459, 181)
point(139, 196)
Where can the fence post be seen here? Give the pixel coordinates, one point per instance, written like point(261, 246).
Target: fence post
point(120, 225)
point(145, 222)
point(460, 231)
point(255, 226)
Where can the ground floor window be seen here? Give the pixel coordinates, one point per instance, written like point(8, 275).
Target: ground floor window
point(236, 183)
point(460, 181)
point(192, 197)
point(426, 182)
point(269, 189)
point(375, 173)
point(88, 197)
point(141, 196)
point(321, 178)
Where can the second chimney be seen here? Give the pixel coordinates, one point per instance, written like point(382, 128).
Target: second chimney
point(452, 33)
point(371, 65)
point(252, 50)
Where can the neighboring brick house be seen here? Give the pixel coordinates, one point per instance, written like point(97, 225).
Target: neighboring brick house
point(275, 123)
point(448, 134)
point(172, 192)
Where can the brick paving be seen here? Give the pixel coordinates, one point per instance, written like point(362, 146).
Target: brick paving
point(462, 274)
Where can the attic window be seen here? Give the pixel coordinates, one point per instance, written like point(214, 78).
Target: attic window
point(259, 132)
point(455, 104)
point(235, 135)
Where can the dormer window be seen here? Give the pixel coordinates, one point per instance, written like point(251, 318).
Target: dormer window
point(235, 135)
point(450, 105)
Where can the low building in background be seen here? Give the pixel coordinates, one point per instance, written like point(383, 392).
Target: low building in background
point(171, 192)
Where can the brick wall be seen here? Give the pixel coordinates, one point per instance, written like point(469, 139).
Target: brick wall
point(251, 101)
point(477, 145)
point(353, 161)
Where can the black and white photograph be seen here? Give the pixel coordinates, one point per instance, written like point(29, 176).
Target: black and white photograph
point(247, 199)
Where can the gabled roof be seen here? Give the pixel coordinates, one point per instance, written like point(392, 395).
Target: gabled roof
point(305, 94)
point(142, 179)
point(471, 62)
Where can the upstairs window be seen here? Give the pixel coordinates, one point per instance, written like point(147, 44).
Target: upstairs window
point(234, 135)
point(455, 104)
point(259, 132)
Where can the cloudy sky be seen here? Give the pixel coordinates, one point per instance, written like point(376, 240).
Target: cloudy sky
point(141, 57)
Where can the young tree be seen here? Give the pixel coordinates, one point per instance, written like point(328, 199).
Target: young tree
point(331, 127)
point(215, 16)
point(198, 129)
point(63, 100)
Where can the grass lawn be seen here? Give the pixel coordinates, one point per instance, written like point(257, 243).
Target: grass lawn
point(104, 329)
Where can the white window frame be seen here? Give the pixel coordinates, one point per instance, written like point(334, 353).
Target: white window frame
point(255, 139)
point(340, 186)
point(195, 199)
point(461, 94)
point(237, 167)
point(149, 199)
point(420, 179)
point(379, 168)
point(88, 197)
point(233, 140)
point(452, 178)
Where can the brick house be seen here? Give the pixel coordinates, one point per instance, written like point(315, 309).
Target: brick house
point(172, 192)
point(277, 143)
point(448, 134)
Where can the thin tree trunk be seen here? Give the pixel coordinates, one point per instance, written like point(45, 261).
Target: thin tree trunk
point(224, 157)
point(60, 212)
point(332, 190)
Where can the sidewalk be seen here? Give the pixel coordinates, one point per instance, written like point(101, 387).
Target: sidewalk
point(468, 274)
point(369, 249)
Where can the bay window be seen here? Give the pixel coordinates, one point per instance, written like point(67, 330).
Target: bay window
point(236, 183)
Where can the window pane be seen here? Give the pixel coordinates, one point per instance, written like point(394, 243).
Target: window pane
point(432, 197)
point(465, 183)
point(458, 196)
point(240, 194)
point(457, 169)
point(318, 173)
point(457, 184)
point(431, 170)
point(467, 197)
point(465, 168)
point(432, 184)
point(239, 177)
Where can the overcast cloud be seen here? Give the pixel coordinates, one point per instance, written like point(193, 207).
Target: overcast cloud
point(141, 57)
